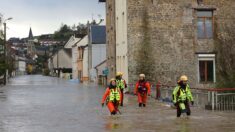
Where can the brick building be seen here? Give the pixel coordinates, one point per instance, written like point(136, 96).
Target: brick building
point(168, 38)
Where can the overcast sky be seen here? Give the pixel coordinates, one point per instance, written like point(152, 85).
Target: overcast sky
point(46, 16)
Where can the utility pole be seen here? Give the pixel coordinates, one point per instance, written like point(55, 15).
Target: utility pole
point(58, 71)
point(5, 53)
point(89, 50)
point(5, 50)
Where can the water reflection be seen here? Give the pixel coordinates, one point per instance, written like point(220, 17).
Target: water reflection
point(111, 126)
point(184, 124)
point(112, 123)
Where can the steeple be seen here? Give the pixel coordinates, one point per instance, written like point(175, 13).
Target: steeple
point(30, 33)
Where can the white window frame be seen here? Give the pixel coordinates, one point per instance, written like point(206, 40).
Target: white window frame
point(206, 57)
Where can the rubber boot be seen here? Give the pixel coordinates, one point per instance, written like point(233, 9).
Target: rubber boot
point(140, 104)
point(113, 113)
point(188, 112)
point(144, 105)
point(178, 111)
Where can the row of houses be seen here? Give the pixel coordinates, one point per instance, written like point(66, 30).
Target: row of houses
point(18, 59)
point(81, 58)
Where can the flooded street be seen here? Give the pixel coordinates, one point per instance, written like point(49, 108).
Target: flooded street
point(45, 104)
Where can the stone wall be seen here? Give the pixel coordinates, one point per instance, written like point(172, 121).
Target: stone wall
point(111, 38)
point(225, 41)
point(171, 29)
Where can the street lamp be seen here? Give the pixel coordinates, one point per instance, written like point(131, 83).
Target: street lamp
point(5, 47)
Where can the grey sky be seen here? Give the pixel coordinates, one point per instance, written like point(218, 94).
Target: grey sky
point(46, 16)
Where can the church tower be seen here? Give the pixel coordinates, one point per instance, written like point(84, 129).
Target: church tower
point(30, 34)
point(31, 47)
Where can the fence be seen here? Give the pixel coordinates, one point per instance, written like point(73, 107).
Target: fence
point(222, 99)
point(211, 99)
point(200, 95)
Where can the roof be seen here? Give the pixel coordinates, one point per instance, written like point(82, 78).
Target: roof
point(72, 41)
point(98, 34)
point(30, 33)
point(42, 48)
point(67, 51)
point(82, 42)
point(100, 64)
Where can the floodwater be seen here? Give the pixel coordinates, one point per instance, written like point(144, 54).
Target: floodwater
point(37, 103)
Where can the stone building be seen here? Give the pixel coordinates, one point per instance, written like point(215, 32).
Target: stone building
point(110, 37)
point(168, 38)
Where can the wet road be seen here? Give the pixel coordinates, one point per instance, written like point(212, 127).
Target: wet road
point(45, 104)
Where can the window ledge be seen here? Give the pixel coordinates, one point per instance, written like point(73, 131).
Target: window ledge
point(205, 38)
point(204, 8)
point(205, 53)
point(206, 83)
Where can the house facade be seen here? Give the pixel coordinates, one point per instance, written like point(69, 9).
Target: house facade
point(60, 64)
point(82, 60)
point(20, 65)
point(97, 48)
point(71, 44)
point(169, 38)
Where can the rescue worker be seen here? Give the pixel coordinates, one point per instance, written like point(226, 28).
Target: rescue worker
point(121, 84)
point(112, 97)
point(182, 96)
point(142, 89)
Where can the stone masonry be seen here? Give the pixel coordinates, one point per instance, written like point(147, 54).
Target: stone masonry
point(111, 38)
point(162, 37)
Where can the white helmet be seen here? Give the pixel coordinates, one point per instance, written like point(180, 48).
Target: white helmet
point(142, 75)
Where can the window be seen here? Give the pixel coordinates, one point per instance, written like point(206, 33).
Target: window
point(206, 68)
point(199, 2)
point(205, 24)
point(206, 71)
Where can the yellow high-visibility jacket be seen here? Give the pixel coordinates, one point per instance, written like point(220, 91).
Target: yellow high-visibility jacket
point(181, 95)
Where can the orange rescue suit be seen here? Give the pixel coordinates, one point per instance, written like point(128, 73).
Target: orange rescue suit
point(112, 106)
point(142, 89)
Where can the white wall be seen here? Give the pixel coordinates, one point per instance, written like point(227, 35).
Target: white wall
point(65, 61)
point(22, 66)
point(74, 62)
point(121, 37)
point(98, 56)
point(85, 63)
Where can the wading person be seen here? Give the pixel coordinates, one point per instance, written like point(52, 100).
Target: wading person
point(112, 97)
point(182, 96)
point(142, 90)
point(121, 84)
